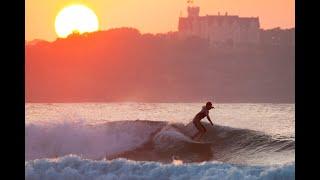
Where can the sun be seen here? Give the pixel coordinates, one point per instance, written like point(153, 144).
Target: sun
point(75, 18)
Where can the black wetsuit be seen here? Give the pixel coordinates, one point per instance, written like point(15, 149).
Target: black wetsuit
point(200, 115)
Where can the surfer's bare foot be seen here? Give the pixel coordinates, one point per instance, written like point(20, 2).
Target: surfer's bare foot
point(196, 138)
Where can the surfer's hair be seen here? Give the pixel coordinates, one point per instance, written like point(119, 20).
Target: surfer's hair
point(209, 104)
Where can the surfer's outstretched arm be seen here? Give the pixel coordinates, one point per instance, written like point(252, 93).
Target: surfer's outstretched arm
point(209, 120)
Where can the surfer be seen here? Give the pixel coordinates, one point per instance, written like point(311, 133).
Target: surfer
point(202, 114)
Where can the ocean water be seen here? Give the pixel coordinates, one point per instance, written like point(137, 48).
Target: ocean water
point(151, 140)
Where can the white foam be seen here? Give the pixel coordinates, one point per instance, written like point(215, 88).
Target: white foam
point(73, 167)
point(43, 141)
point(169, 138)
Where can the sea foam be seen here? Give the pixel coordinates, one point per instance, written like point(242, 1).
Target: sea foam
point(74, 167)
point(94, 142)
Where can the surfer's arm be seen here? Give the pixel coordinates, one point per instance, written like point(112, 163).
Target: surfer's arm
point(209, 120)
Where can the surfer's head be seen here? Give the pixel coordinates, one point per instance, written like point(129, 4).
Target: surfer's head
point(209, 105)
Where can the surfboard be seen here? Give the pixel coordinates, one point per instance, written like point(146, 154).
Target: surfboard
point(197, 141)
point(189, 139)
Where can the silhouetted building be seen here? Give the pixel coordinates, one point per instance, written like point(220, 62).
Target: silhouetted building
point(220, 29)
point(278, 37)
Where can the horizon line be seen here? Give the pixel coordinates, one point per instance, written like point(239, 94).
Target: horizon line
point(153, 33)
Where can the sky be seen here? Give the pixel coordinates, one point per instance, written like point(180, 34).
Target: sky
point(151, 16)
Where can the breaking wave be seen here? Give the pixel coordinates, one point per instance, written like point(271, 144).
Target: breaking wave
point(159, 141)
point(75, 167)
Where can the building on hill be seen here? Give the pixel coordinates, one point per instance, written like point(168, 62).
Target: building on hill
point(220, 29)
point(278, 37)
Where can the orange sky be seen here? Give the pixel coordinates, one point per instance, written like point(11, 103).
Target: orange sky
point(154, 16)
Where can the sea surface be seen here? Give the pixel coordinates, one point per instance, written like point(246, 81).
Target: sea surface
point(151, 141)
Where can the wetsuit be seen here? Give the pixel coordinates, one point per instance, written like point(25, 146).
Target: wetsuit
point(196, 120)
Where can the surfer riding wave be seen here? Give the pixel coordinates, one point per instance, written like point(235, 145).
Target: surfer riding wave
point(196, 120)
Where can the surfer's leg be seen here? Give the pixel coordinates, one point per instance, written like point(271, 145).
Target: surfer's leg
point(203, 130)
point(194, 136)
point(199, 127)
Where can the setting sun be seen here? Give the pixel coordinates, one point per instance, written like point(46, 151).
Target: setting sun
point(75, 18)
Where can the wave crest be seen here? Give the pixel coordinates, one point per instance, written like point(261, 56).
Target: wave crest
point(74, 167)
point(156, 141)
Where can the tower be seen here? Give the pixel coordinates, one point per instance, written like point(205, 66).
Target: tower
point(193, 11)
